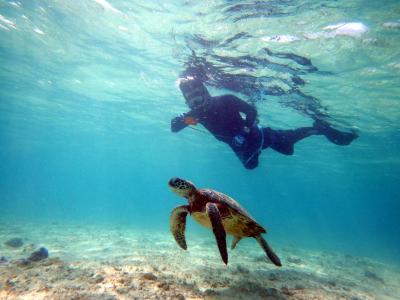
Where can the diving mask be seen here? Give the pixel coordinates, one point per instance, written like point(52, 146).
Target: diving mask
point(195, 98)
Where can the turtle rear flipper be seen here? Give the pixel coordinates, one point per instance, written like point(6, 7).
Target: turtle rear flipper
point(177, 222)
point(235, 240)
point(268, 250)
point(218, 229)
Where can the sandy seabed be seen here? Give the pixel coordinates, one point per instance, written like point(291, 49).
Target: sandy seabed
point(111, 262)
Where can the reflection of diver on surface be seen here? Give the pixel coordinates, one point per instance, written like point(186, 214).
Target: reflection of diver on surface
point(221, 116)
point(281, 77)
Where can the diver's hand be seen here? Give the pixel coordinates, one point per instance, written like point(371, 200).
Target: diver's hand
point(177, 123)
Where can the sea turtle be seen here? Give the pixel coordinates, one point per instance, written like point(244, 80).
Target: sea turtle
point(218, 211)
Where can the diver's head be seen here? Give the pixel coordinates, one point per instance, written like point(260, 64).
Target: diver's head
point(194, 91)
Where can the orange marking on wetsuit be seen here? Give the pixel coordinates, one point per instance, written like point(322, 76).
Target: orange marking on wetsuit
point(191, 121)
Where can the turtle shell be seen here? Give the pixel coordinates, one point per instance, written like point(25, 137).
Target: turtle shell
point(236, 220)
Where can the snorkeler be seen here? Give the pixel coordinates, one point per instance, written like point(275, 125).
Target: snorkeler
point(221, 116)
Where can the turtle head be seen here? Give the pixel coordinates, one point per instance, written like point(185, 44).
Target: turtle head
point(182, 187)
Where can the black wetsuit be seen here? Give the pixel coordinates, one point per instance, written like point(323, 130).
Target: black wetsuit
point(222, 117)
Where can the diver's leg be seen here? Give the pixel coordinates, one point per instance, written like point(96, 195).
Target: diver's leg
point(295, 135)
point(283, 140)
point(249, 152)
point(251, 162)
point(248, 159)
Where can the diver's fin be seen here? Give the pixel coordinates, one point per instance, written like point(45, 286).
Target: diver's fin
point(268, 250)
point(235, 240)
point(341, 138)
point(177, 222)
point(333, 135)
point(218, 229)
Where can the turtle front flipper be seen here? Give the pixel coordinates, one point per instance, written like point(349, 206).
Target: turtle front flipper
point(177, 222)
point(268, 250)
point(218, 229)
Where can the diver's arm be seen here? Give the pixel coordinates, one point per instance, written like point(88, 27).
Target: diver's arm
point(249, 110)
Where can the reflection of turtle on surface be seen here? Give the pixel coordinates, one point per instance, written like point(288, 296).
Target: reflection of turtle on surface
point(215, 210)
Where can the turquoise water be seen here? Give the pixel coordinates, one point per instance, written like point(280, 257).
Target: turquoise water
point(88, 89)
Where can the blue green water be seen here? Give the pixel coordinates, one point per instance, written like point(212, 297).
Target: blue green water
point(88, 89)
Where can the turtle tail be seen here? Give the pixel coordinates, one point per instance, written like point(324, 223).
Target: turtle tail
point(268, 250)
